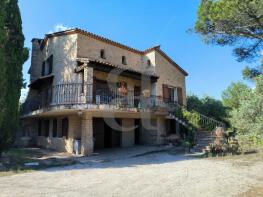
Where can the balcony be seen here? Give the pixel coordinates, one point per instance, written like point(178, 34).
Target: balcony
point(84, 96)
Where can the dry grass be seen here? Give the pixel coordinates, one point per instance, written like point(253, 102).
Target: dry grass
point(13, 162)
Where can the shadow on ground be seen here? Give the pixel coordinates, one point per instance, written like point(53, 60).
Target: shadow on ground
point(16, 159)
point(129, 157)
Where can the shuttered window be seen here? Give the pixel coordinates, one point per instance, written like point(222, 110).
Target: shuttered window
point(165, 93)
point(173, 94)
point(47, 66)
point(50, 64)
point(180, 95)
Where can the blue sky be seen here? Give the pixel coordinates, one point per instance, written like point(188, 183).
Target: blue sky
point(140, 24)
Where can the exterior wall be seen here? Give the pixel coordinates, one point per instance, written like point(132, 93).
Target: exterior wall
point(64, 51)
point(56, 143)
point(90, 48)
point(169, 75)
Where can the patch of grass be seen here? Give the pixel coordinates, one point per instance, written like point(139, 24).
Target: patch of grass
point(241, 160)
point(13, 162)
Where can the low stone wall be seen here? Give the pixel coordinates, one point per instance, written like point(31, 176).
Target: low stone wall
point(59, 144)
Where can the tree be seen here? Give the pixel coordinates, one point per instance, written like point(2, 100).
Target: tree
point(194, 103)
point(13, 55)
point(233, 22)
point(207, 106)
point(252, 73)
point(232, 96)
point(248, 117)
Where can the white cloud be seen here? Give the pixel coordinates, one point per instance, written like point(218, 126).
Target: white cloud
point(59, 27)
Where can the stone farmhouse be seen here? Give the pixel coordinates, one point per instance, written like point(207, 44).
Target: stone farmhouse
point(88, 88)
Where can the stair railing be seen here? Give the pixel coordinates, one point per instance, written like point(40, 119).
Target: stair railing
point(204, 121)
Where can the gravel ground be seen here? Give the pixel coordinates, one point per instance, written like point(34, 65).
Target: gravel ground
point(158, 174)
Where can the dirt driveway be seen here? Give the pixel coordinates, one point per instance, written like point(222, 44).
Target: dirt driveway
point(156, 174)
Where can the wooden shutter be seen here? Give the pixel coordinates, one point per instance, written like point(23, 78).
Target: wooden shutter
point(180, 95)
point(165, 93)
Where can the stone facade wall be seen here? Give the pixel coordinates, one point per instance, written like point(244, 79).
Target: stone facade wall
point(56, 143)
point(90, 48)
point(64, 51)
point(169, 75)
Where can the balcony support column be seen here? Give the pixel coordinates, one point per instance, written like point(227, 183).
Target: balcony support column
point(88, 81)
point(161, 130)
point(87, 144)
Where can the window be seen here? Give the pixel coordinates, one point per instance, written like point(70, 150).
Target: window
point(122, 88)
point(148, 62)
point(102, 54)
point(65, 127)
point(50, 64)
point(39, 128)
point(170, 94)
point(123, 60)
point(180, 95)
point(55, 128)
point(47, 66)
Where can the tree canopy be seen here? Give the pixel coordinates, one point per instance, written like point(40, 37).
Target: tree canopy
point(232, 96)
point(229, 22)
point(248, 117)
point(207, 106)
point(13, 55)
point(236, 23)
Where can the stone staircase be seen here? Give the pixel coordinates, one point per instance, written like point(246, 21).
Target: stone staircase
point(203, 139)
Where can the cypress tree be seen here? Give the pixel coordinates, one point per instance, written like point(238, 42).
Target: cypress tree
point(13, 55)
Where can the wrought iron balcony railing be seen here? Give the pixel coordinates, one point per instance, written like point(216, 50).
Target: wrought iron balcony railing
point(78, 93)
point(86, 95)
